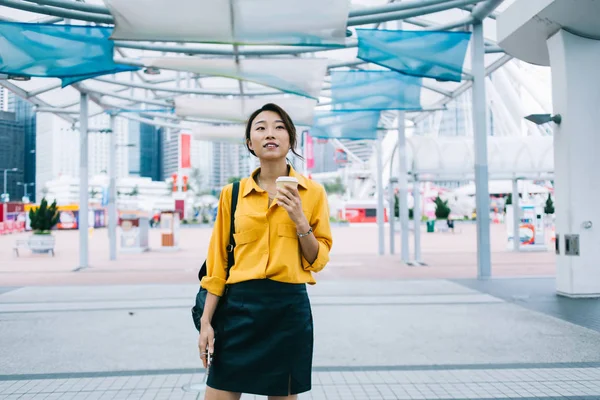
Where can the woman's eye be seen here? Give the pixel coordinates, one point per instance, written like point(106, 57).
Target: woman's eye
point(260, 128)
point(281, 127)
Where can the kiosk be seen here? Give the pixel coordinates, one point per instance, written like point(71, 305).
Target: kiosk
point(134, 229)
point(169, 227)
point(532, 229)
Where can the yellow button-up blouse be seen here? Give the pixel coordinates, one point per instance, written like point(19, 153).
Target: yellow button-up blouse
point(266, 243)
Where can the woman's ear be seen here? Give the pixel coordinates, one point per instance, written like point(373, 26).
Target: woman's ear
point(249, 144)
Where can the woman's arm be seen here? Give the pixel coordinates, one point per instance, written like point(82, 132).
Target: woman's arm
point(216, 274)
point(309, 243)
point(206, 341)
point(316, 245)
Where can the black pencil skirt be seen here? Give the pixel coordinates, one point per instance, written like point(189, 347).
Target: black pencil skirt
point(263, 339)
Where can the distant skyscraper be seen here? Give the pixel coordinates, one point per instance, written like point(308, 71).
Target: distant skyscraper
point(57, 148)
point(17, 145)
point(145, 151)
point(170, 153)
point(228, 160)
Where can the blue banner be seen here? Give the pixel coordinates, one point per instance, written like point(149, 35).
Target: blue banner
point(374, 91)
point(432, 54)
point(345, 125)
point(69, 52)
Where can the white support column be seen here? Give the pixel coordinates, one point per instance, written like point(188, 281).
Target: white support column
point(380, 205)
point(417, 219)
point(574, 63)
point(402, 183)
point(403, 190)
point(112, 190)
point(516, 215)
point(83, 183)
point(482, 197)
point(392, 207)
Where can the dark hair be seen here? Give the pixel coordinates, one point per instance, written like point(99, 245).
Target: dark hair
point(287, 122)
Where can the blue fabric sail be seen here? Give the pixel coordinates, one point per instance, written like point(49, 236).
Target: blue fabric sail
point(374, 91)
point(69, 52)
point(433, 54)
point(345, 125)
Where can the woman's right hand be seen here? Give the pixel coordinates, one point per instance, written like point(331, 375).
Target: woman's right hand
point(206, 342)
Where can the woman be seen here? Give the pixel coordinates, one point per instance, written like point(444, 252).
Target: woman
point(263, 339)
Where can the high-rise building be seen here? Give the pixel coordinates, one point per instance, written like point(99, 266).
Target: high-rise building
point(228, 160)
point(145, 151)
point(58, 150)
point(26, 117)
point(17, 145)
point(170, 153)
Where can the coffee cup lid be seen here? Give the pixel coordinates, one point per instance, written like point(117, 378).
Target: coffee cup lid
point(286, 179)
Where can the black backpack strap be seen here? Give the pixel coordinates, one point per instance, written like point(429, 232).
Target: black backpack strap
point(231, 246)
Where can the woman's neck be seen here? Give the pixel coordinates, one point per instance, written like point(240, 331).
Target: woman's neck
point(270, 171)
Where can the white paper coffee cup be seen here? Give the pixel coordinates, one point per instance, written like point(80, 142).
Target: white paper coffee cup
point(283, 181)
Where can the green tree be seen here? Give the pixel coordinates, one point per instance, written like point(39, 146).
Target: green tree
point(93, 193)
point(549, 207)
point(411, 212)
point(442, 211)
point(135, 191)
point(44, 217)
point(335, 187)
point(508, 201)
point(233, 179)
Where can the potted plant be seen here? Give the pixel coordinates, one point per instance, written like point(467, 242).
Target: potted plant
point(549, 211)
point(42, 220)
point(442, 211)
point(549, 207)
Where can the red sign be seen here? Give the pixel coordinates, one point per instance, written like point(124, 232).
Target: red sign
point(310, 154)
point(186, 144)
point(180, 208)
point(15, 207)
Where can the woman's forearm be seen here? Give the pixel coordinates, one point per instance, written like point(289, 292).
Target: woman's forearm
point(209, 308)
point(308, 244)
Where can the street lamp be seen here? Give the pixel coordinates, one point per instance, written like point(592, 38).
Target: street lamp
point(25, 187)
point(5, 192)
point(540, 119)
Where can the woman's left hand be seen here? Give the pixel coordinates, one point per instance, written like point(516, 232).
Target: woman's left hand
point(289, 198)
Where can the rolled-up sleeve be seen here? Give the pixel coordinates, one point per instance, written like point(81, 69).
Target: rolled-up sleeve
point(319, 222)
point(216, 260)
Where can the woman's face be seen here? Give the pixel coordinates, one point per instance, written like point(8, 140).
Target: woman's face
point(269, 138)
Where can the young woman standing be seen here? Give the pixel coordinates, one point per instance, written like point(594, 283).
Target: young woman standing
point(263, 341)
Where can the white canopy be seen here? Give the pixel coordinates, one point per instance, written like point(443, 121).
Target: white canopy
point(502, 187)
point(301, 76)
point(507, 156)
point(219, 133)
point(236, 21)
point(300, 109)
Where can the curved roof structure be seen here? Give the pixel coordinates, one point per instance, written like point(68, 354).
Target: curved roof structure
point(151, 88)
point(194, 82)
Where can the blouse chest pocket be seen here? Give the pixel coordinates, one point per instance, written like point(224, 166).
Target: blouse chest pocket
point(245, 237)
point(286, 230)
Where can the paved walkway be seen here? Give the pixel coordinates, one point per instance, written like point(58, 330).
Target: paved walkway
point(383, 330)
point(354, 256)
point(374, 339)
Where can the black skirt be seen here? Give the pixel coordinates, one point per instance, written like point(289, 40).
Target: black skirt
point(263, 339)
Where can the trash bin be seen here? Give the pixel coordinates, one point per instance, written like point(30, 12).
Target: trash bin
point(431, 226)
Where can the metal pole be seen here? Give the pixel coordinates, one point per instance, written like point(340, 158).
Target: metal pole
point(392, 207)
point(83, 182)
point(417, 218)
point(403, 190)
point(380, 209)
point(482, 198)
point(4, 192)
point(112, 190)
point(516, 215)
